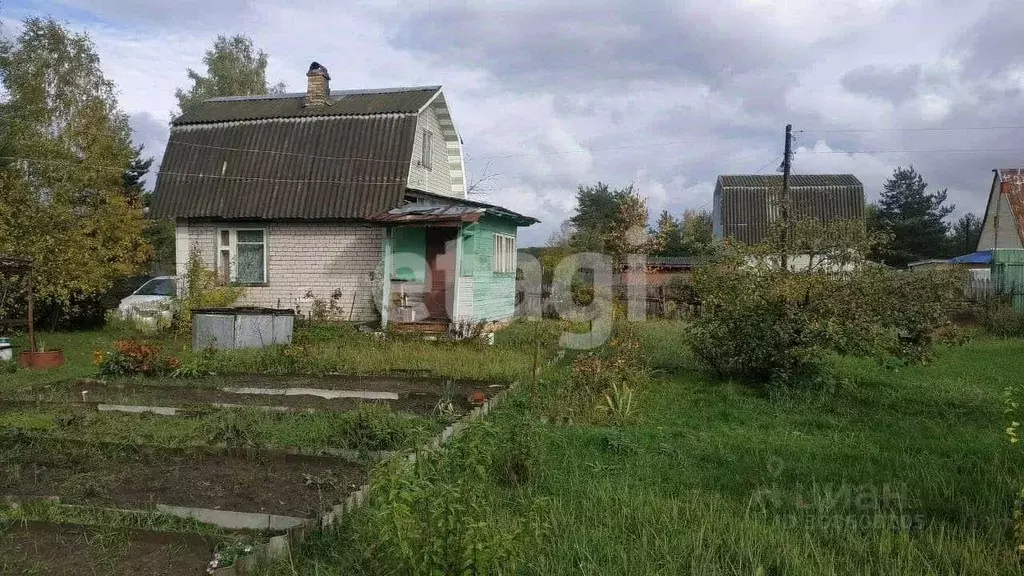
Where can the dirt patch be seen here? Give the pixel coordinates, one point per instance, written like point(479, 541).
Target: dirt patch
point(62, 549)
point(415, 395)
point(143, 476)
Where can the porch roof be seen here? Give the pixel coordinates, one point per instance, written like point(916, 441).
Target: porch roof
point(442, 210)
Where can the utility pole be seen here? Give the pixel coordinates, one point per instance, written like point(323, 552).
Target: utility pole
point(787, 165)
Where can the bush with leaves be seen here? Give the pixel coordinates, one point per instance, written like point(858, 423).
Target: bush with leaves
point(998, 318)
point(134, 357)
point(763, 323)
point(681, 295)
point(201, 290)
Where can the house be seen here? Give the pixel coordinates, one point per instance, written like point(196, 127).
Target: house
point(746, 206)
point(660, 268)
point(354, 198)
point(1003, 225)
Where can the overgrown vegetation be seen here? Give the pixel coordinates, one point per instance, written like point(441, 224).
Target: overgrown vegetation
point(202, 290)
point(438, 515)
point(131, 357)
point(764, 323)
point(886, 471)
point(366, 429)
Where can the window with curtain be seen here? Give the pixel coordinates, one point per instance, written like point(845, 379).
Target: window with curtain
point(242, 255)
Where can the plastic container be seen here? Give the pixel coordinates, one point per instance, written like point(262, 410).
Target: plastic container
point(6, 350)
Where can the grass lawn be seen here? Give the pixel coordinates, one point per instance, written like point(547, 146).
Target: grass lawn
point(78, 348)
point(320, 349)
point(890, 472)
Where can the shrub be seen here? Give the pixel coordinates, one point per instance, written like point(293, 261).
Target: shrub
point(131, 357)
point(998, 318)
point(681, 294)
point(201, 290)
point(762, 324)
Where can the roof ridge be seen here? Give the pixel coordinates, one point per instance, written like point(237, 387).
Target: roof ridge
point(350, 92)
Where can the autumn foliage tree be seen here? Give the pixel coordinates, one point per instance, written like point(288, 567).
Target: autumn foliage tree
point(66, 142)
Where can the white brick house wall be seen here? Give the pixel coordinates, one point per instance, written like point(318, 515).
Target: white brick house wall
point(301, 258)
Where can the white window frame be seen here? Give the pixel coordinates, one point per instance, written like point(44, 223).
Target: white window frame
point(503, 259)
point(232, 253)
point(427, 149)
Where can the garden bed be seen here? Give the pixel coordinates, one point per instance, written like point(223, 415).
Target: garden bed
point(139, 477)
point(330, 393)
point(33, 547)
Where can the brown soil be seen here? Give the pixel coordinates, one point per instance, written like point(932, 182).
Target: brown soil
point(70, 550)
point(416, 395)
point(142, 476)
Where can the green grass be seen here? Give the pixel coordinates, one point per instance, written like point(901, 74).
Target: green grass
point(318, 350)
point(887, 472)
point(78, 348)
point(369, 429)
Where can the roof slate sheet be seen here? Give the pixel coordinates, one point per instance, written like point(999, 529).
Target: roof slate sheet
point(746, 205)
point(325, 168)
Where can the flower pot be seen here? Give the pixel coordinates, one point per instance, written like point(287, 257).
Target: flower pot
point(477, 398)
point(41, 360)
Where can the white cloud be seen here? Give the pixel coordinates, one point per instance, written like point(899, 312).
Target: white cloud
point(551, 94)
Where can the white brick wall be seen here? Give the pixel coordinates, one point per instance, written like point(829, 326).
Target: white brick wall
point(302, 257)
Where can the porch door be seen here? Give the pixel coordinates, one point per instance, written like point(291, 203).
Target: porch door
point(440, 253)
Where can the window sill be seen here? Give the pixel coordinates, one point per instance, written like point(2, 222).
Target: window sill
point(250, 284)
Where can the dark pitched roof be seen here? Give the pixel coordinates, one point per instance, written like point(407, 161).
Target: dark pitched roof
point(745, 206)
point(680, 262)
point(795, 180)
point(270, 157)
point(343, 103)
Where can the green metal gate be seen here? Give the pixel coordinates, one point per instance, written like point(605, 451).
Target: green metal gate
point(1008, 275)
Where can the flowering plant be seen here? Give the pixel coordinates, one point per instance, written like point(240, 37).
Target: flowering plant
point(134, 357)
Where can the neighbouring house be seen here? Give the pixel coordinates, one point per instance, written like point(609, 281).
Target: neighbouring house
point(1003, 225)
point(353, 200)
point(660, 268)
point(746, 206)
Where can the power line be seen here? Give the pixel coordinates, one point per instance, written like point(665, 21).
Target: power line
point(195, 175)
point(768, 163)
point(960, 129)
point(911, 151)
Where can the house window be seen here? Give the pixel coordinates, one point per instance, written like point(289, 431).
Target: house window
point(242, 255)
point(427, 148)
point(504, 260)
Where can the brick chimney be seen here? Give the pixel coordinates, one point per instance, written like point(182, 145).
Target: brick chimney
point(318, 86)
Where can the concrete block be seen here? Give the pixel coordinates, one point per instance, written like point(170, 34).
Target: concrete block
point(233, 520)
point(278, 547)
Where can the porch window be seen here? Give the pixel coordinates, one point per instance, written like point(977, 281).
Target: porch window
point(504, 260)
point(427, 149)
point(242, 255)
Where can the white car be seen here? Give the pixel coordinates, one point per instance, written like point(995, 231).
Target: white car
point(153, 299)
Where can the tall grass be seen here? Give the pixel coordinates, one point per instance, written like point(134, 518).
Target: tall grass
point(886, 472)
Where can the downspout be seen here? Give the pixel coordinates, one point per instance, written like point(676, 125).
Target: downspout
point(456, 316)
point(385, 305)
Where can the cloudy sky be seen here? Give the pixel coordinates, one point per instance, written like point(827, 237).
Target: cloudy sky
point(549, 94)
